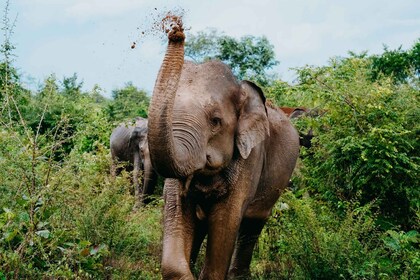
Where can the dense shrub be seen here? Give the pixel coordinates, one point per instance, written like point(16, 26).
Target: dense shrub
point(70, 220)
point(366, 145)
point(306, 239)
point(65, 217)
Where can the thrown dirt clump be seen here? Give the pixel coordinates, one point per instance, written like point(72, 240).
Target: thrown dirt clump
point(161, 24)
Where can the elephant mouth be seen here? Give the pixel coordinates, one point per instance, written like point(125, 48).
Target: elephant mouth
point(209, 170)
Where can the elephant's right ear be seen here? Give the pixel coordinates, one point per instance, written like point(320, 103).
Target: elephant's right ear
point(253, 125)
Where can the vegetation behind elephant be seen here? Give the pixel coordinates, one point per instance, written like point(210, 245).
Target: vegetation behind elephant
point(129, 144)
point(227, 157)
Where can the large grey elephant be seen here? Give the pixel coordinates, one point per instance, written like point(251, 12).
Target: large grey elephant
point(129, 143)
point(227, 157)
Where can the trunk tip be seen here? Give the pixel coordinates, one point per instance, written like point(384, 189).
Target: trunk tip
point(173, 26)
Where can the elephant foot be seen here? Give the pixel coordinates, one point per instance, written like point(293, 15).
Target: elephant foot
point(237, 274)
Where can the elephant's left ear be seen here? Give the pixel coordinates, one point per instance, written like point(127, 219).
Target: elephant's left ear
point(253, 125)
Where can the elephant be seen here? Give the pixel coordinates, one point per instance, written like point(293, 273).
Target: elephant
point(226, 157)
point(305, 140)
point(294, 112)
point(129, 143)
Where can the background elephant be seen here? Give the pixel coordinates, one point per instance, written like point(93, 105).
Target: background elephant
point(129, 143)
point(227, 157)
point(305, 139)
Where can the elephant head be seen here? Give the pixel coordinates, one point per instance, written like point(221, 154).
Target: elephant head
point(138, 137)
point(129, 143)
point(199, 113)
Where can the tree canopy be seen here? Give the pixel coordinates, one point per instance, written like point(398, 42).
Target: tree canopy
point(249, 57)
point(128, 102)
point(397, 63)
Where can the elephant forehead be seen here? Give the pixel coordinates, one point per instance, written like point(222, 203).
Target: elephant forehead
point(207, 75)
point(189, 98)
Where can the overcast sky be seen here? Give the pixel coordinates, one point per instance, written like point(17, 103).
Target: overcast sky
point(93, 38)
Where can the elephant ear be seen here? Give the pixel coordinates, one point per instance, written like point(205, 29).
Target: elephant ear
point(253, 125)
point(297, 113)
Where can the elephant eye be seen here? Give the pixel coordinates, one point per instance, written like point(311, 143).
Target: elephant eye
point(216, 121)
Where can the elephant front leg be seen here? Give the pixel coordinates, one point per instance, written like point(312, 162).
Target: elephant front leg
point(222, 232)
point(178, 235)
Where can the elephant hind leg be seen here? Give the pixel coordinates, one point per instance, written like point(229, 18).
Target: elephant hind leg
point(249, 232)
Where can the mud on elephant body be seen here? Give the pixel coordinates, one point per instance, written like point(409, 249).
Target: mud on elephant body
point(227, 157)
point(129, 144)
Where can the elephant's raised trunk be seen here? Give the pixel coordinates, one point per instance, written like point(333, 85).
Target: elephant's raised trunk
point(160, 135)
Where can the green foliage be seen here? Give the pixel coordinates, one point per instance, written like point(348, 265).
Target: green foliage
point(403, 252)
point(249, 57)
point(202, 46)
point(306, 239)
point(68, 219)
point(398, 64)
point(366, 144)
point(62, 216)
point(129, 102)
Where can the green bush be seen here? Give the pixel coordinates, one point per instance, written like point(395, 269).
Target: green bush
point(306, 239)
point(366, 138)
point(71, 219)
point(65, 217)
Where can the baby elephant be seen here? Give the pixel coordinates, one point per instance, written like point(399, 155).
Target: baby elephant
point(128, 143)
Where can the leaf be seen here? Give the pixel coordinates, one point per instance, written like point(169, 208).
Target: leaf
point(24, 217)
point(412, 236)
point(8, 213)
point(40, 225)
point(45, 233)
point(84, 243)
point(8, 236)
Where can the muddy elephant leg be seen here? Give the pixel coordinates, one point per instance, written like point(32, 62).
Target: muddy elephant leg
point(249, 232)
point(178, 235)
point(222, 232)
point(138, 194)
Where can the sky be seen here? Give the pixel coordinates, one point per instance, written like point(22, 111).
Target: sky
point(93, 38)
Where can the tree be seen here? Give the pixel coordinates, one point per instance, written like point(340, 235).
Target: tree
point(398, 63)
point(71, 87)
point(128, 102)
point(249, 57)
